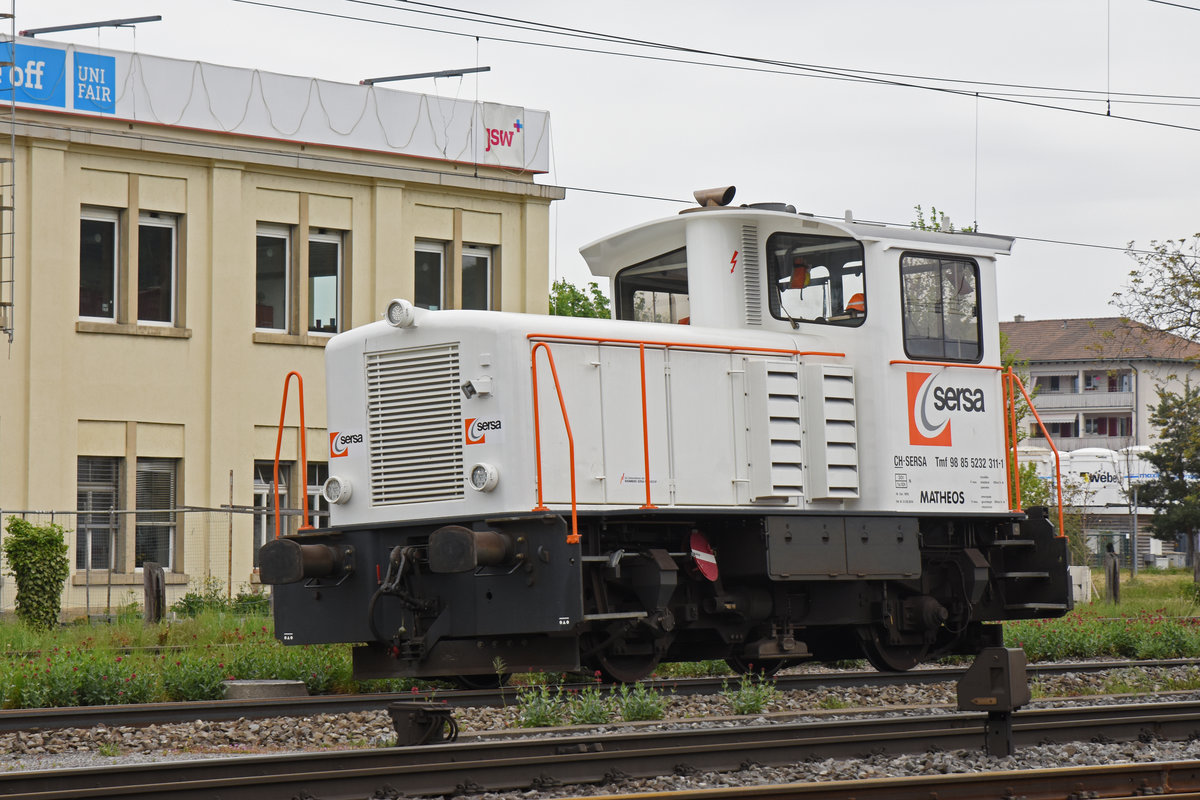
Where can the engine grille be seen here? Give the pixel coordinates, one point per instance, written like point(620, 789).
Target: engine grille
point(414, 425)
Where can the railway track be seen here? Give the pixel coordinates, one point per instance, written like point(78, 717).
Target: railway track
point(12, 720)
point(494, 764)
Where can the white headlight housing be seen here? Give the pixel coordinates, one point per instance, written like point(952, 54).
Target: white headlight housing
point(401, 314)
point(483, 477)
point(336, 490)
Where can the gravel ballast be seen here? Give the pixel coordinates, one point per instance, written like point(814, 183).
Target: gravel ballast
point(102, 745)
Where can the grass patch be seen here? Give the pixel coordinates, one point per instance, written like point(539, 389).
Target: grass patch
point(1157, 618)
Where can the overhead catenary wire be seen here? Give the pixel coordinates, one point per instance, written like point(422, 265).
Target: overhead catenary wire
point(770, 66)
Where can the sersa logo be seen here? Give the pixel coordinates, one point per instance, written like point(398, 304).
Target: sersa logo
point(477, 429)
point(339, 443)
point(930, 406)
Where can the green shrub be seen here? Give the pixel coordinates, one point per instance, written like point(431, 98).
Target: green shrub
point(640, 703)
point(37, 558)
point(538, 707)
point(193, 677)
point(589, 706)
point(751, 695)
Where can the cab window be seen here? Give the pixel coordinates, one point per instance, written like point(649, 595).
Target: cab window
point(655, 290)
point(816, 279)
point(940, 295)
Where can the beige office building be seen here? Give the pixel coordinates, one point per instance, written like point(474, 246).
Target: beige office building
point(183, 236)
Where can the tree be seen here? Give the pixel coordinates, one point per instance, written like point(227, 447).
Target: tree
point(567, 300)
point(1175, 493)
point(1164, 290)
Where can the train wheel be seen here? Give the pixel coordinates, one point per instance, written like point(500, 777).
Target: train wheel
point(887, 657)
point(626, 668)
point(482, 681)
point(763, 670)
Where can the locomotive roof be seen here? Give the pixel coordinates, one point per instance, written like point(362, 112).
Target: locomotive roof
point(649, 239)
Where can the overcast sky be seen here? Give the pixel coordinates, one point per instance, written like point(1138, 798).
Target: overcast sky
point(663, 129)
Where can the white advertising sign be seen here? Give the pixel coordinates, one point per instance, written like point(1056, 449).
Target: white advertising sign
point(246, 102)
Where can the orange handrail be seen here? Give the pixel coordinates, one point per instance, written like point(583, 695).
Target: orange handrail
point(1012, 466)
point(645, 426)
point(668, 345)
point(947, 364)
point(573, 538)
point(1016, 381)
point(304, 526)
point(641, 344)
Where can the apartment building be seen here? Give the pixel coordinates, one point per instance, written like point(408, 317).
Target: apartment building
point(1097, 378)
point(182, 236)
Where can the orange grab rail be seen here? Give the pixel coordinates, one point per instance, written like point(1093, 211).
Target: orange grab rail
point(641, 345)
point(304, 526)
point(1010, 382)
point(1016, 381)
point(537, 437)
point(645, 426)
point(729, 348)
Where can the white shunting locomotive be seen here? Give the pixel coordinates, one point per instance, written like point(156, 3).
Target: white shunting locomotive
point(788, 444)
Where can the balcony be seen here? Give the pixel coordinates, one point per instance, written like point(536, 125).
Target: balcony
point(1084, 401)
point(1066, 444)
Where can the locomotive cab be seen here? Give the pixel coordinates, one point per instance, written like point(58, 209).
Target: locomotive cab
point(788, 443)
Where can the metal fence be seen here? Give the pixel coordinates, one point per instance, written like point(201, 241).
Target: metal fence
point(208, 551)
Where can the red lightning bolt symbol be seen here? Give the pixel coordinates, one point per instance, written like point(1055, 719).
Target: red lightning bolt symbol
point(733, 262)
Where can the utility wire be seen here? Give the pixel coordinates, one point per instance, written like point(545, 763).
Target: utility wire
point(805, 71)
point(521, 24)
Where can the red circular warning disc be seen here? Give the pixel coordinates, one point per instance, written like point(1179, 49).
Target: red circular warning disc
point(703, 556)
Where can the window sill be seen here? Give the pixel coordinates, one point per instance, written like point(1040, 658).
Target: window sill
point(101, 577)
point(165, 331)
point(303, 339)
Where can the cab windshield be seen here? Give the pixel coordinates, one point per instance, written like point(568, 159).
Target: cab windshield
point(816, 279)
point(655, 290)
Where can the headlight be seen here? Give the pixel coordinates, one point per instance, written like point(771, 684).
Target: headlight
point(484, 477)
point(400, 314)
point(336, 490)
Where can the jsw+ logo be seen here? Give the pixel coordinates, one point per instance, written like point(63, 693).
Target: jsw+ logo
point(502, 138)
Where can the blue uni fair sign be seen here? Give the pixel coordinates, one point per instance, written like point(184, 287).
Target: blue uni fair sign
point(42, 77)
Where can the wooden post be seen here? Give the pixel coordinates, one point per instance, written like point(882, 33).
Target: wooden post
point(154, 585)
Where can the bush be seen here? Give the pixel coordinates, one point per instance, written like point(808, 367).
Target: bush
point(589, 706)
point(539, 708)
point(37, 558)
point(640, 703)
point(752, 694)
point(192, 677)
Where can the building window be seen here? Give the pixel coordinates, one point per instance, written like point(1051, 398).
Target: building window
point(156, 268)
point(940, 298)
point(154, 536)
point(1108, 426)
point(324, 281)
point(98, 493)
point(1057, 430)
point(318, 508)
point(98, 263)
point(264, 502)
point(271, 268)
point(477, 278)
point(430, 275)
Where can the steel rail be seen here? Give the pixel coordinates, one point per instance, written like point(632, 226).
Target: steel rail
point(26, 719)
point(488, 764)
point(1177, 779)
